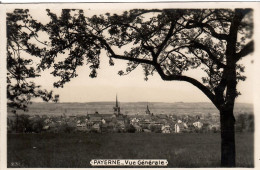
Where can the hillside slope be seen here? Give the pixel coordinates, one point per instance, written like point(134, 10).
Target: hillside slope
point(128, 108)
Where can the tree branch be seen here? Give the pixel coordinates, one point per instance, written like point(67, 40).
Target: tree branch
point(168, 36)
point(249, 48)
point(139, 60)
point(193, 81)
point(211, 55)
point(114, 55)
point(211, 29)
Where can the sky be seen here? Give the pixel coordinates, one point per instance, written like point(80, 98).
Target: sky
point(132, 87)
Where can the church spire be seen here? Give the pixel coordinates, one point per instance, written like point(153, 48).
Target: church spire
point(116, 101)
point(117, 108)
point(147, 110)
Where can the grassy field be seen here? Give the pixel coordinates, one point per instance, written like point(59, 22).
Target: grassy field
point(76, 150)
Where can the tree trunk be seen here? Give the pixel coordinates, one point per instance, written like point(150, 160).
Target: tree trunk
point(228, 151)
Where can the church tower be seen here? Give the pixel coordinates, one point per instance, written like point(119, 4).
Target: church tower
point(117, 108)
point(147, 110)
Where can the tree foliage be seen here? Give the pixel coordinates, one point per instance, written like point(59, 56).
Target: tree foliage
point(169, 42)
point(22, 30)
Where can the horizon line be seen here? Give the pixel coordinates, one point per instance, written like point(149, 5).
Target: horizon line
point(135, 102)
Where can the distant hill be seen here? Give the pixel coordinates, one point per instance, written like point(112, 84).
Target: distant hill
point(128, 108)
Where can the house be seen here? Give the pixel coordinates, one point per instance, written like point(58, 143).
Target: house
point(89, 125)
point(72, 117)
point(134, 121)
point(147, 118)
point(144, 124)
point(107, 117)
point(155, 127)
point(162, 116)
point(121, 127)
point(81, 126)
point(157, 123)
point(121, 119)
point(198, 125)
point(53, 127)
point(71, 123)
point(166, 129)
point(96, 127)
point(103, 121)
point(46, 128)
point(104, 128)
point(147, 131)
point(138, 128)
point(111, 127)
point(180, 127)
point(214, 127)
point(95, 119)
point(47, 121)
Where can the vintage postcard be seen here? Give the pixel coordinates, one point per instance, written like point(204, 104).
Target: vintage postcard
point(130, 85)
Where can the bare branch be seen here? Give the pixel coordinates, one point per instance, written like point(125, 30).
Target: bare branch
point(193, 81)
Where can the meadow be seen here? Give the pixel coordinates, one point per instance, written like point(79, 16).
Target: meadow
point(76, 150)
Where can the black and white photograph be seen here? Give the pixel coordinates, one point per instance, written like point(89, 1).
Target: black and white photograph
point(129, 85)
